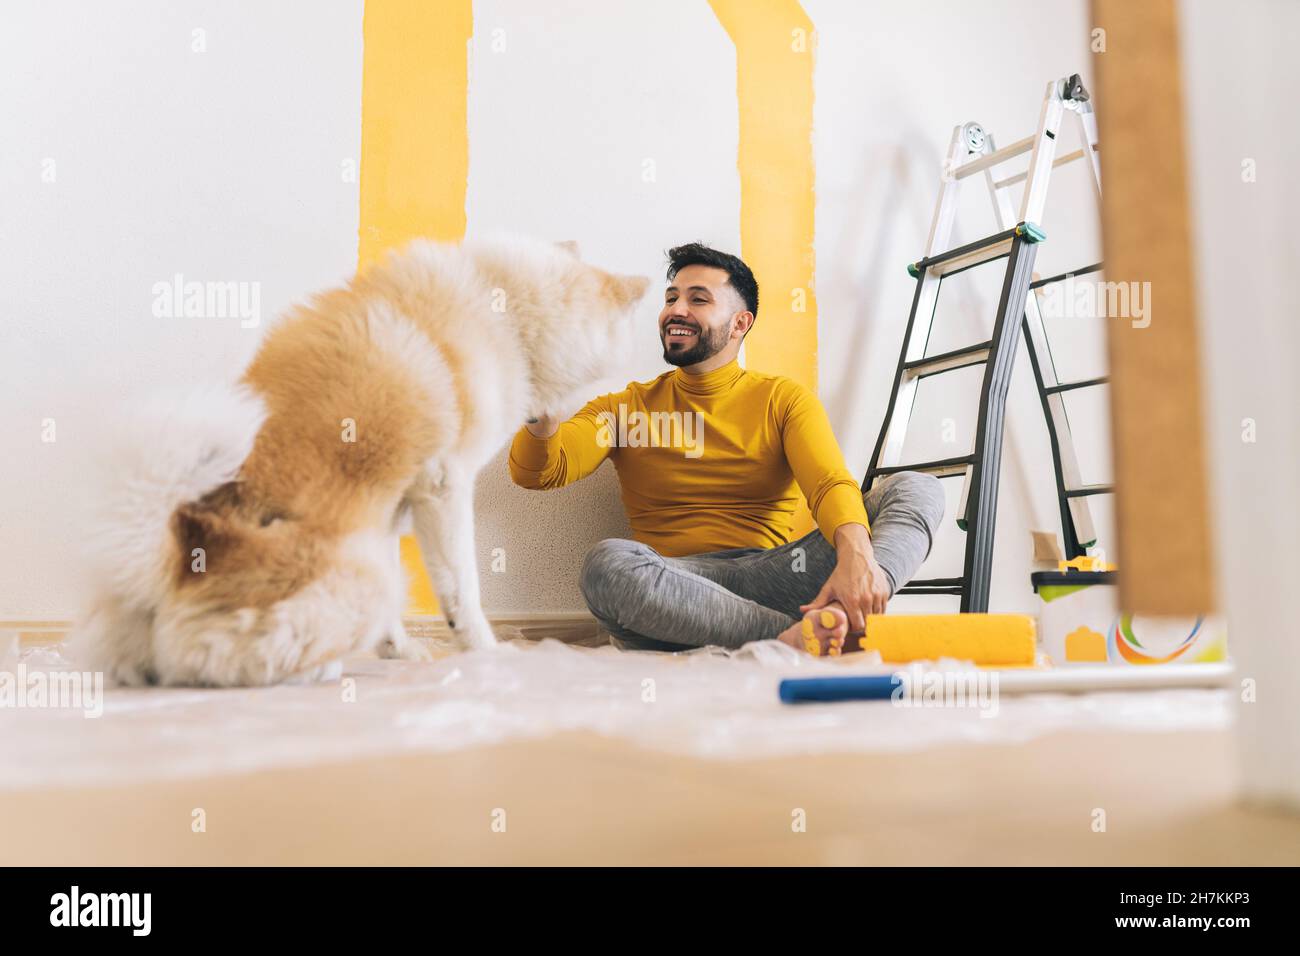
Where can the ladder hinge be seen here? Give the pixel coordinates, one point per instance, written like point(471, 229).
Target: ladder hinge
point(1030, 232)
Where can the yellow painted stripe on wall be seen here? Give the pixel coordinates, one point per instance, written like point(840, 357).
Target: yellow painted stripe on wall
point(414, 149)
point(774, 91)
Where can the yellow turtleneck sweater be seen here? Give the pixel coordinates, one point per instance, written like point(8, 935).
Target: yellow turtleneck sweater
point(706, 462)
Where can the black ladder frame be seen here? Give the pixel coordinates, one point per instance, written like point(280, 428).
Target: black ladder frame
point(985, 459)
point(1069, 533)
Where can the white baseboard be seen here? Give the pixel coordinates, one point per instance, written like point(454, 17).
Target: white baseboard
point(571, 627)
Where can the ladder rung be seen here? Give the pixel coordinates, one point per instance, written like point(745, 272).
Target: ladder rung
point(944, 468)
point(976, 253)
point(976, 246)
point(1087, 490)
point(973, 259)
point(935, 586)
point(1071, 386)
point(1039, 283)
point(949, 361)
point(998, 156)
point(1021, 177)
point(963, 257)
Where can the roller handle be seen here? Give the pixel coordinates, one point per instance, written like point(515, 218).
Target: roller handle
point(806, 690)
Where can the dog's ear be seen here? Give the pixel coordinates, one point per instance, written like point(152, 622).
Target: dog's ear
point(628, 290)
point(160, 452)
point(202, 530)
point(194, 526)
point(571, 247)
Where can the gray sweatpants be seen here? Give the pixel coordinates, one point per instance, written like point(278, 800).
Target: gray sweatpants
point(729, 598)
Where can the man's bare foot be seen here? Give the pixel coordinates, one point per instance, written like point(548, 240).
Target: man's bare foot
point(821, 632)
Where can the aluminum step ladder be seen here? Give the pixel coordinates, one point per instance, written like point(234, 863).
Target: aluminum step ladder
point(971, 151)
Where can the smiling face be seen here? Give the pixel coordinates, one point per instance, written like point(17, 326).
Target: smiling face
point(703, 320)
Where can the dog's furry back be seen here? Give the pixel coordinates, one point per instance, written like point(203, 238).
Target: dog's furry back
point(248, 534)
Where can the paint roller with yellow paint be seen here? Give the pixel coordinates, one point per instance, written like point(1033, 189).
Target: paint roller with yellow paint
point(991, 640)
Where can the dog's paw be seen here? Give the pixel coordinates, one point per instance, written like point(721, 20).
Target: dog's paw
point(325, 673)
point(404, 648)
point(477, 637)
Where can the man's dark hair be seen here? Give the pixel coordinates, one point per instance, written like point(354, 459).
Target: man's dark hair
point(738, 275)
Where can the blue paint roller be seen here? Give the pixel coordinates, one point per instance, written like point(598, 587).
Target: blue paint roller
point(798, 690)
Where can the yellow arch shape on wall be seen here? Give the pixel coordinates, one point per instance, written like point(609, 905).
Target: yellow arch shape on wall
point(414, 149)
point(775, 48)
point(415, 165)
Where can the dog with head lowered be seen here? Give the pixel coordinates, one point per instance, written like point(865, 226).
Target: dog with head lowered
point(250, 535)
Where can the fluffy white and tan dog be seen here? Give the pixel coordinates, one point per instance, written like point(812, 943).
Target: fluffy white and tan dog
point(251, 533)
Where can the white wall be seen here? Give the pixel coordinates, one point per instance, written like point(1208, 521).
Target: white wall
point(1238, 67)
point(892, 82)
point(562, 123)
point(227, 165)
point(222, 165)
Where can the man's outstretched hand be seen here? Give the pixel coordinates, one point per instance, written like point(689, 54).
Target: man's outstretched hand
point(858, 584)
point(543, 426)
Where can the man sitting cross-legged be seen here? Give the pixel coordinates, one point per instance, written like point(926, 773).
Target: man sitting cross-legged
point(711, 458)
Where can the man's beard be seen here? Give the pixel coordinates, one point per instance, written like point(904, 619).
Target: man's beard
point(708, 343)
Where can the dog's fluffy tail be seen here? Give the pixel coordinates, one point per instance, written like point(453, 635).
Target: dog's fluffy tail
point(160, 454)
